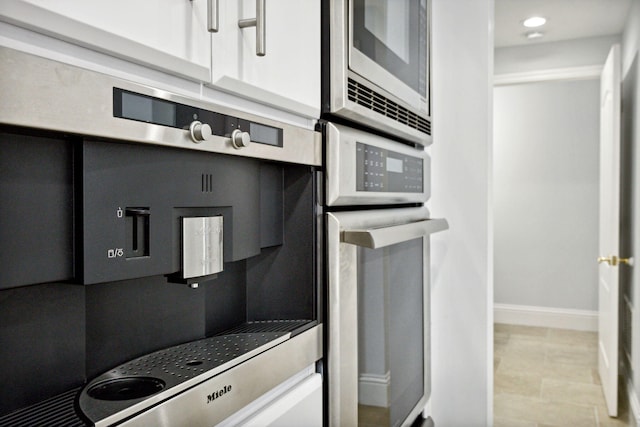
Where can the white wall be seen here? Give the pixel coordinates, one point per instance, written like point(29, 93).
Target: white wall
point(631, 37)
point(546, 151)
point(462, 299)
point(543, 296)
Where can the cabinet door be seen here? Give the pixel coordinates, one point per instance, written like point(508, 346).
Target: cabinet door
point(300, 406)
point(169, 35)
point(288, 75)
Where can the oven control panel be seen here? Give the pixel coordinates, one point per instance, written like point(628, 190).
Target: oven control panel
point(382, 170)
point(368, 169)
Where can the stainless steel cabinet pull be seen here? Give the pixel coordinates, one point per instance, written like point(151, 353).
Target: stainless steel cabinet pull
point(375, 238)
point(259, 22)
point(212, 15)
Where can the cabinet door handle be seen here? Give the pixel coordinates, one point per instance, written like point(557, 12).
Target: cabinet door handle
point(259, 22)
point(212, 16)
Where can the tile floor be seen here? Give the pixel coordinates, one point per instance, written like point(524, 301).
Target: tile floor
point(548, 377)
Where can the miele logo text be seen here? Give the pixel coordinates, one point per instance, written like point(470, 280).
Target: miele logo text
point(216, 394)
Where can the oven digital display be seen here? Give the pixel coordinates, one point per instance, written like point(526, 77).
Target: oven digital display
point(385, 171)
point(394, 165)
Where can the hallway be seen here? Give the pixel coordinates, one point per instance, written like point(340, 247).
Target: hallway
point(546, 377)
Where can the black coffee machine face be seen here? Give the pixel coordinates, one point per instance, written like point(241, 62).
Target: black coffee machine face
point(146, 209)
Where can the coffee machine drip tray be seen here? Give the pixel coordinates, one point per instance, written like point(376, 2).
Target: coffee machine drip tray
point(261, 326)
point(146, 382)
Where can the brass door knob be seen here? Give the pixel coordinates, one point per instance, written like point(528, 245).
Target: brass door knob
point(614, 260)
point(606, 259)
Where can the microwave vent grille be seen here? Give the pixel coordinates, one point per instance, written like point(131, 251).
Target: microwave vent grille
point(368, 98)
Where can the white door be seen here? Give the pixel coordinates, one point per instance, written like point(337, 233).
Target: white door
point(170, 35)
point(609, 228)
point(287, 74)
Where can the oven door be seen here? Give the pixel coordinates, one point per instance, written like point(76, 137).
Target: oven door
point(378, 315)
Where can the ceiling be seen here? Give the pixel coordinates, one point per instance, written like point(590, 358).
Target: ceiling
point(566, 19)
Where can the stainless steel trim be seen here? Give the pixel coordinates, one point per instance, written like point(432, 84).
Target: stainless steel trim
point(260, 23)
point(170, 394)
point(339, 73)
point(212, 16)
point(245, 382)
point(375, 238)
point(342, 282)
point(342, 345)
point(45, 94)
point(340, 146)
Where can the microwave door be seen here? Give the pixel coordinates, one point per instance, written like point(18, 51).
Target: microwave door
point(377, 65)
point(389, 47)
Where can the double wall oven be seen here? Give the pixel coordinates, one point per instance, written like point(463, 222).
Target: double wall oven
point(377, 123)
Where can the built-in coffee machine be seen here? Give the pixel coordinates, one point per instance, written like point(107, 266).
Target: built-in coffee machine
point(159, 256)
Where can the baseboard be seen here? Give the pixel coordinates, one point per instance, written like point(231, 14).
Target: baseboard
point(374, 389)
point(563, 318)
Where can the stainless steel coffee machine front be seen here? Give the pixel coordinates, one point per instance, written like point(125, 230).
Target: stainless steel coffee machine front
point(122, 194)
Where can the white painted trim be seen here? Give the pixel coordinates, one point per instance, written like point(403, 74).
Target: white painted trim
point(427, 411)
point(563, 318)
point(374, 389)
point(634, 404)
point(573, 73)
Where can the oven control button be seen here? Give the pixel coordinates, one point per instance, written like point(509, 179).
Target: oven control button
point(240, 139)
point(200, 131)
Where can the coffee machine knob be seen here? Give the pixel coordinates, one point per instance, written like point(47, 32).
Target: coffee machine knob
point(240, 139)
point(200, 131)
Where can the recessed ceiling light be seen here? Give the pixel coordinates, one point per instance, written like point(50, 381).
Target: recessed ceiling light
point(534, 35)
point(534, 21)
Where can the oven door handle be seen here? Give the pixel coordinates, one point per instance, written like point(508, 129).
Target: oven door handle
point(375, 238)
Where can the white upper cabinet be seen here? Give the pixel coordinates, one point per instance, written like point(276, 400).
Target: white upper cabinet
point(287, 75)
point(172, 36)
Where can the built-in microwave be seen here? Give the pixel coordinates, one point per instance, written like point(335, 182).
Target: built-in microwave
point(376, 65)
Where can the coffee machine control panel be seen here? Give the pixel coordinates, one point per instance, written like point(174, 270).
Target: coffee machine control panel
point(202, 124)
